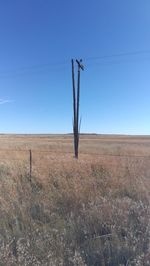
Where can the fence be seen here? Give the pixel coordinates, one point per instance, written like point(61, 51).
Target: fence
point(31, 157)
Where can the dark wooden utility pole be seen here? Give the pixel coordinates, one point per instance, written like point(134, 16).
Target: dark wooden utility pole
point(74, 109)
point(76, 105)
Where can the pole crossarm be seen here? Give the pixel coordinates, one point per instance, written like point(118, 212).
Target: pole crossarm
point(79, 64)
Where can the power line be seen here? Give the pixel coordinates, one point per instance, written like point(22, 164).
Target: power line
point(34, 67)
point(31, 72)
point(118, 55)
point(117, 62)
point(55, 66)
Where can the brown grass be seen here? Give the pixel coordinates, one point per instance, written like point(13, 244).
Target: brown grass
point(94, 211)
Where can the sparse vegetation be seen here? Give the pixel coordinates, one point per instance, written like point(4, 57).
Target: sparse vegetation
point(76, 213)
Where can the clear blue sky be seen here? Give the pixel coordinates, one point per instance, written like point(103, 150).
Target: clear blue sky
point(38, 38)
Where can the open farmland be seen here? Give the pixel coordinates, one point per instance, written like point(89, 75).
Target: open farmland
point(91, 211)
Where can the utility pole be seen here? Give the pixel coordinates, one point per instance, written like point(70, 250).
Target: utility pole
point(76, 105)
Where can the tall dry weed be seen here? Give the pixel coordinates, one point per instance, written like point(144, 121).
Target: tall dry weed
point(80, 213)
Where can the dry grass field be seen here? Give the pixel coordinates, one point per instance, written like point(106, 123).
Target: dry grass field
point(92, 211)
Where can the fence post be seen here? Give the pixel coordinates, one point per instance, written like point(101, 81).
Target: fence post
point(30, 155)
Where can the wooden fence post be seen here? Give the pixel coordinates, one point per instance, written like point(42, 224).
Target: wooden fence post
point(30, 156)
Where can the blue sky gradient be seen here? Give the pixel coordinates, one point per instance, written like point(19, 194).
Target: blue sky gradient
point(38, 38)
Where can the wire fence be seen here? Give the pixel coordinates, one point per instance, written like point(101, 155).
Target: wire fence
point(32, 158)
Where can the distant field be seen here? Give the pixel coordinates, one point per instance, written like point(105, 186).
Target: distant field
point(94, 211)
point(88, 143)
point(114, 151)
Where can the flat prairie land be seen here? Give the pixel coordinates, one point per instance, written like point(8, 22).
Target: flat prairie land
point(89, 144)
point(87, 212)
point(113, 151)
